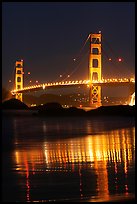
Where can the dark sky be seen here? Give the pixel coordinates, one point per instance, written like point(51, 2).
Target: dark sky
point(48, 36)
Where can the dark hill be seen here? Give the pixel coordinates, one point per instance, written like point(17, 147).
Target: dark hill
point(51, 109)
point(52, 106)
point(73, 111)
point(118, 110)
point(14, 104)
point(55, 109)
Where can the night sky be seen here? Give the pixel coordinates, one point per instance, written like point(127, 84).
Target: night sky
point(49, 36)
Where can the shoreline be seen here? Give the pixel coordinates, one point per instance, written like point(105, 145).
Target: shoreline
point(68, 113)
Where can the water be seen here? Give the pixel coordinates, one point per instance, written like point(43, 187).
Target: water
point(67, 159)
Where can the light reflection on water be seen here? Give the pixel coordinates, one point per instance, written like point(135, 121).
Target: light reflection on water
point(81, 159)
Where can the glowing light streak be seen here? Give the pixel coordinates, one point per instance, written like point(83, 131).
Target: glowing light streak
point(43, 86)
point(132, 102)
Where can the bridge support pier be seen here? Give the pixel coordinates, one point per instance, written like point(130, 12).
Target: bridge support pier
point(95, 96)
point(95, 69)
point(19, 79)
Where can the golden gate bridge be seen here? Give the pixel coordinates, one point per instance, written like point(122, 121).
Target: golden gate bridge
point(95, 80)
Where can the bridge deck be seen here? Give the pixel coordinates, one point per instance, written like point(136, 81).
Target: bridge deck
point(73, 84)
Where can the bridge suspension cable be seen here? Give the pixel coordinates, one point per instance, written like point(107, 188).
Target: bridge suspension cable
point(112, 61)
point(115, 56)
point(76, 68)
point(78, 56)
point(84, 44)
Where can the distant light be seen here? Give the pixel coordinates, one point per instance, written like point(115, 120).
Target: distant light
point(60, 75)
point(36, 81)
point(99, 31)
point(74, 59)
point(21, 60)
point(119, 59)
point(9, 80)
point(109, 59)
point(68, 75)
point(30, 81)
point(33, 105)
point(28, 72)
point(22, 72)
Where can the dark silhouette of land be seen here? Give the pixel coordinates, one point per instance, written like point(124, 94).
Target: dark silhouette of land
point(55, 109)
point(14, 104)
point(6, 94)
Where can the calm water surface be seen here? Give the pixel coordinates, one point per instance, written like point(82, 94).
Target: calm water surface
point(67, 159)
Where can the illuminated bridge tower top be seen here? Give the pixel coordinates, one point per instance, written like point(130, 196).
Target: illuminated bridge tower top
point(95, 69)
point(95, 65)
point(19, 78)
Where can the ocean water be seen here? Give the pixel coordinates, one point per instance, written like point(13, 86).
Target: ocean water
point(67, 159)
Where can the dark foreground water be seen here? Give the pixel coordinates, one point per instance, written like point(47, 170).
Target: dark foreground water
point(68, 159)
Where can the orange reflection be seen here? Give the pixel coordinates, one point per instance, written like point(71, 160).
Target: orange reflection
point(66, 155)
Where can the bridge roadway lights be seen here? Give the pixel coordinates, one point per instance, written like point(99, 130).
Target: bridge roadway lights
point(94, 89)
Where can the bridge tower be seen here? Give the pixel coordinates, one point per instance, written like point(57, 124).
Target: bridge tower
point(95, 69)
point(19, 78)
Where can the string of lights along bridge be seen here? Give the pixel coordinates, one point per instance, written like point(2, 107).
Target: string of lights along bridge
point(94, 82)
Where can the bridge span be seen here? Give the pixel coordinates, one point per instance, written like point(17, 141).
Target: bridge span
point(63, 84)
point(95, 80)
